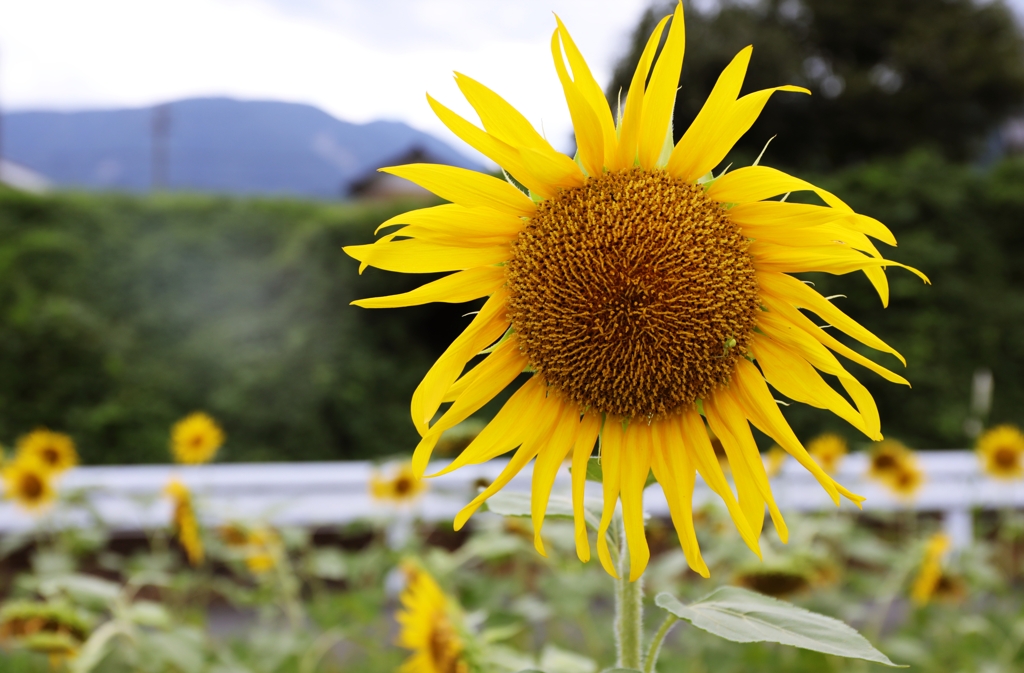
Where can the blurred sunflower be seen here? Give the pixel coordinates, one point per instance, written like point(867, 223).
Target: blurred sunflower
point(262, 550)
point(638, 290)
point(776, 459)
point(887, 458)
point(928, 576)
point(29, 483)
point(195, 439)
point(399, 485)
point(828, 449)
point(55, 451)
point(430, 624)
point(1001, 451)
point(186, 525)
point(55, 629)
point(905, 480)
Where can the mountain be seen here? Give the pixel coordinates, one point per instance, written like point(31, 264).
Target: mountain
point(211, 144)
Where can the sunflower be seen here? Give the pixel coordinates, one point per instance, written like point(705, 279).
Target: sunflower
point(930, 574)
point(54, 450)
point(1001, 450)
point(430, 625)
point(400, 485)
point(828, 449)
point(776, 459)
point(905, 480)
point(195, 439)
point(185, 523)
point(887, 458)
point(263, 548)
point(649, 301)
point(29, 482)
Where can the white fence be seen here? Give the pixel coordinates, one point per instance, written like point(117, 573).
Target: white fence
point(323, 494)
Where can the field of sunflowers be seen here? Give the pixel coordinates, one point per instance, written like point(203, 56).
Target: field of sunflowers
point(247, 597)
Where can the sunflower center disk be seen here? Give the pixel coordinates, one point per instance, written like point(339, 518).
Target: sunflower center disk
point(633, 294)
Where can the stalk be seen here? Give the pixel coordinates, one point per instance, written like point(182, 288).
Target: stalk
point(651, 660)
point(629, 612)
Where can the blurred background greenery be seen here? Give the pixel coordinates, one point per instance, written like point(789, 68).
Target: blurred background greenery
point(120, 314)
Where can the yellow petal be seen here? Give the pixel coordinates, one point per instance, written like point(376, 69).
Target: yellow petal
point(590, 428)
point(756, 183)
point(837, 259)
point(546, 467)
point(660, 96)
point(789, 289)
point(507, 429)
point(485, 328)
point(629, 125)
point(690, 150)
point(677, 477)
point(414, 256)
point(498, 151)
point(586, 125)
point(500, 118)
point(454, 289)
point(727, 414)
point(764, 412)
point(635, 465)
point(467, 188)
point(795, 378)
point(458, 221)
point(799, 321)
point(497, 371)
point(695, 438)
point(611, 452)
point(534, 441)
point(589, 88)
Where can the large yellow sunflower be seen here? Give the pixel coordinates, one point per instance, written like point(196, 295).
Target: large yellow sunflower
point(430, 628)
point(1001, 451)
point(649, 301)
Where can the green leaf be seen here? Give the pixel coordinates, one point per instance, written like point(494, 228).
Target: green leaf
point(746, 617)
point(620, 670)
point(594, 472)
point(517, 503)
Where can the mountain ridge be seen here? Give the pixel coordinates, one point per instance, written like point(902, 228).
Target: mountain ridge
point(212, 144)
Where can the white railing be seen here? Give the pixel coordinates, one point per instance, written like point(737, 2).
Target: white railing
point(322, 494)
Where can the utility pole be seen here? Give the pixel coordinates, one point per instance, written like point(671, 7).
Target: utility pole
point(161, 131)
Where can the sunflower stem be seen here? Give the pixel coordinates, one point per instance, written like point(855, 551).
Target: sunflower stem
point(629, 611)
point(651, 660)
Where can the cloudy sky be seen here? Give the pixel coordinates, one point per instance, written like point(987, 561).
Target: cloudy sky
point(358, 59)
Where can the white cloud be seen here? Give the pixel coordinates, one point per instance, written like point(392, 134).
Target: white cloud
point(359, 60)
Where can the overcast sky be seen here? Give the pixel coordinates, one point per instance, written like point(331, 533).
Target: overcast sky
point(358, 59)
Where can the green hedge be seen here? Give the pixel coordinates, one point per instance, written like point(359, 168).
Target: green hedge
point(118, 315)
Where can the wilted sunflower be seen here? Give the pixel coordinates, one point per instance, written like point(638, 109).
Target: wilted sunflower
point(186, 525)
point(400, 485)
point(195, 439)
point(888, 458)
point(1001, 450)
point(649, 300)
point(931, 569)
point(430, 624)
point(29, 483)
point(828, 449)
point(54, 450)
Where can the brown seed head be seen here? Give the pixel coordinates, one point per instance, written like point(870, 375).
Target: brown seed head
point(633, 294)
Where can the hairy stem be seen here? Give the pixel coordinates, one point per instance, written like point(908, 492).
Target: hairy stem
point(629, 612)
point(651, 660)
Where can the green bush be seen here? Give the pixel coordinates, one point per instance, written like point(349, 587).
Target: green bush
point(119, 315)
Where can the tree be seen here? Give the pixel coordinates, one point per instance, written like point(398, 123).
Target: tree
point(885, 76)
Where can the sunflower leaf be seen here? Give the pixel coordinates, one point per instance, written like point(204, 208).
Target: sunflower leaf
point(746, 617)
point(517, 503)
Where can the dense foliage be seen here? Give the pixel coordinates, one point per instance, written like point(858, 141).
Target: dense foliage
point(885, 76)
point(120, 315)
